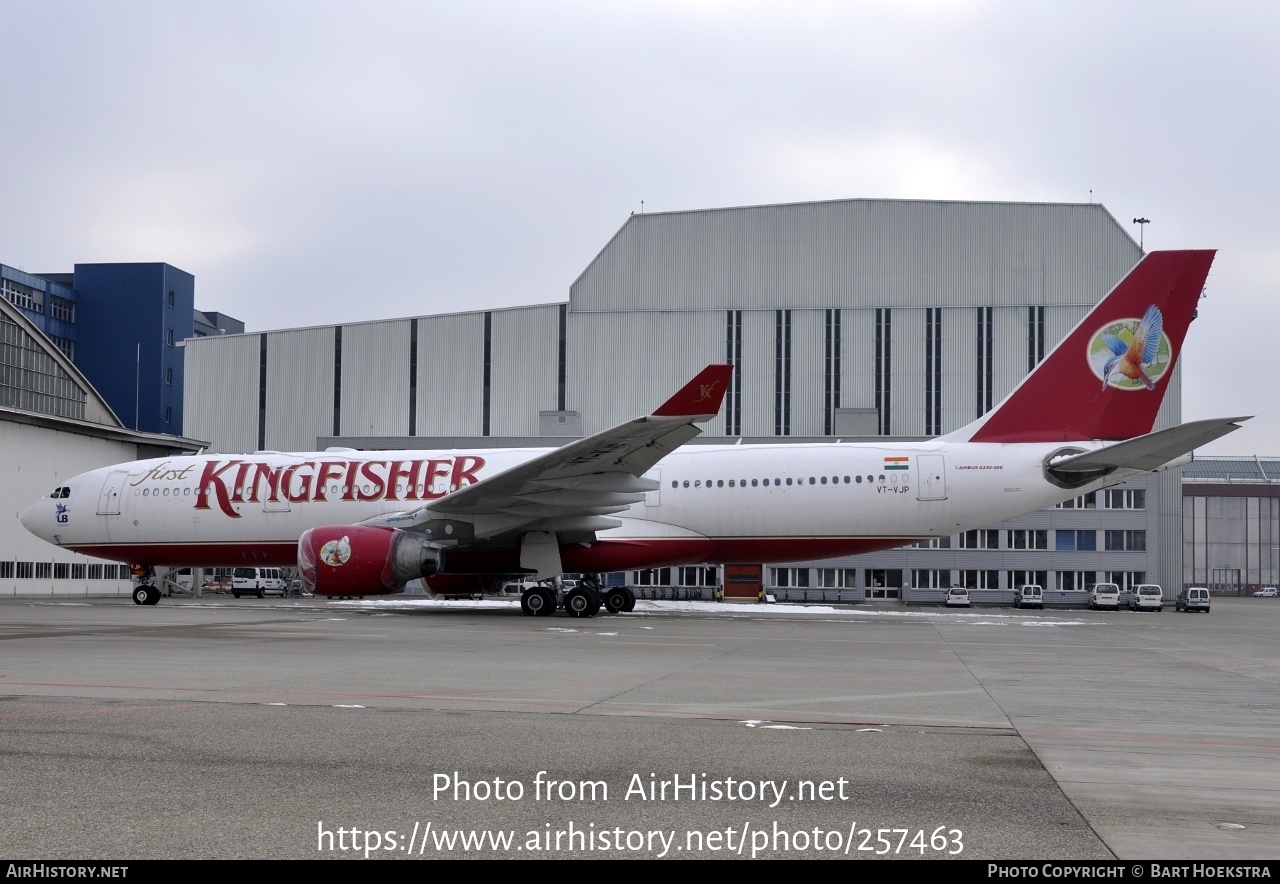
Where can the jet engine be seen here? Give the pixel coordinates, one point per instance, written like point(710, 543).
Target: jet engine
point(360, 560)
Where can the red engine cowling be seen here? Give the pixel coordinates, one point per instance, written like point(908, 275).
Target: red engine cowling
point(361, 560)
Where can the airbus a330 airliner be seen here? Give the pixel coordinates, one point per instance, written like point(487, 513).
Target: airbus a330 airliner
point(362, 523)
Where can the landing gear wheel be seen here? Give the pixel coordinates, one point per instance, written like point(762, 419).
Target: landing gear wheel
point(146, 595)
point(581, 602)
point(615, 601)
point(537, 602)
point(631, 600)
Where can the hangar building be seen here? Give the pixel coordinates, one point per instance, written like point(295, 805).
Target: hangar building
point(54, 425)
point(847, 319)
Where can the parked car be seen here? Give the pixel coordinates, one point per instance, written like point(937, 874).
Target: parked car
point(1146, 597)
point(1028, 596)
point(1193, 598)
point(957, 597)
point(1267, 592)
point(1104, 595)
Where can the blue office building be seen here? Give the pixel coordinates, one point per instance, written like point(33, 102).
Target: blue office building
point(122, 326)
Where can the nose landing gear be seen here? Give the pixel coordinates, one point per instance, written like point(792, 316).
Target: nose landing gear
point(146, 594)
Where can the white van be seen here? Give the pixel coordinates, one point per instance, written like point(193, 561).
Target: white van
point(1193, 598)
point(1028, 596)
point(259, 582)
point(1146, 597)
point(1105, 596)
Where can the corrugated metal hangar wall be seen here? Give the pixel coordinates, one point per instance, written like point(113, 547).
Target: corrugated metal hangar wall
point(920, 314)
point(844, 304)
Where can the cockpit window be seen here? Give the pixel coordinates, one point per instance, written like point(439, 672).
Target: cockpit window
point(60, 493)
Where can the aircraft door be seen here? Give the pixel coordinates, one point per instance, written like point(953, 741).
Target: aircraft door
point(109, 499)
point(276, 491)
point(279, 505)
point(932, 471)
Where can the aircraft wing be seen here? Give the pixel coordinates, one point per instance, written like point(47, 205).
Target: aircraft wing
point(573, 488)
point(1149, 452)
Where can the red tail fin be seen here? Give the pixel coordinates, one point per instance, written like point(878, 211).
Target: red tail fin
point(1108, 376)
point(701, 396)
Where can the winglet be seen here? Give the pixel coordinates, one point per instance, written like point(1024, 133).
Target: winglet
point(701, 397)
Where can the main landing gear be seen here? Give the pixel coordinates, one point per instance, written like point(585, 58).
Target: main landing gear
point(583, 600)
point(538, 601)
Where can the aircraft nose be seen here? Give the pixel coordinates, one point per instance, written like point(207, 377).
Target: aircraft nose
point(30, 517)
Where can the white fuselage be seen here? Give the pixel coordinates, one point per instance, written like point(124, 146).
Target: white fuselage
point(750, 502)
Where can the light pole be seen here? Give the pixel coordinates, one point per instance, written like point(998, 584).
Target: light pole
point(1142, 227)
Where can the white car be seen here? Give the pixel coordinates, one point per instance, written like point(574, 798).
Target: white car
point(1267, 592)
point(957, 597)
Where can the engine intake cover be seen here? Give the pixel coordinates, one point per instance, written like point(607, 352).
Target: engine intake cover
point(363, 560)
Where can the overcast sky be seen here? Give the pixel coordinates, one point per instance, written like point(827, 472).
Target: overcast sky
point(315, 162)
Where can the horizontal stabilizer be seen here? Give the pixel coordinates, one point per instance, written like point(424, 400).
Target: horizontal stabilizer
point(1149, 452)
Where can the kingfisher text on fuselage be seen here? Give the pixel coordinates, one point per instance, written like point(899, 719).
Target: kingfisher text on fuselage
point(237, 481)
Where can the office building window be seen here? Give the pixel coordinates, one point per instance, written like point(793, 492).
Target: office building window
point(1028, 538)
point(1126, 541)
point(930, 579)
point(1124, 499)
point(1077, 541)
point(983, 538)
point(1083, 502)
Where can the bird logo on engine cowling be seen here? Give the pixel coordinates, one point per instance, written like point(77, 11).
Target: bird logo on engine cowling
point(1131, 354)
point(336, 552)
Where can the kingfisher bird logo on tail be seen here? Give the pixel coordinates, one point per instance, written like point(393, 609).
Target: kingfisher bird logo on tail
point(1135, 353)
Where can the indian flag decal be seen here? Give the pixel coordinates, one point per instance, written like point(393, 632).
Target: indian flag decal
point(897, 463)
